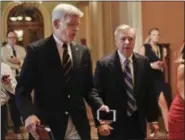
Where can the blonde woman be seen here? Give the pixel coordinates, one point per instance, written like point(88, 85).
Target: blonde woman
point(176, 113)
point(153, 50)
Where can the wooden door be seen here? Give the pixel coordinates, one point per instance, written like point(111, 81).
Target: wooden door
point(28, 31)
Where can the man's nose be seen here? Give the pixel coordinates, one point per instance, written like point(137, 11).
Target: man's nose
point(76, 28)
point(126, 41)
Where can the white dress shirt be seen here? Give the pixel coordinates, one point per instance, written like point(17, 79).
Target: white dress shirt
point(59, 44)
point(71, 132)
point(6, 70)
point(122, 60)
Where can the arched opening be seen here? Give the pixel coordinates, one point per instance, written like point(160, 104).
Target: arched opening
point(27, 22)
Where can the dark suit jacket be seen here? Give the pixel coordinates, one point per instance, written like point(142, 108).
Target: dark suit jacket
point(109, 81)
point(55, 100)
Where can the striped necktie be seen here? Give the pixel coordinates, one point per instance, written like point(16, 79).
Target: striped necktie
point(67, 63)
point(131, 101)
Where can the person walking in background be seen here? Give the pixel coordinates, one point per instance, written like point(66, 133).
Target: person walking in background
point(13, 55)
point(153, 50)
point(8, 84)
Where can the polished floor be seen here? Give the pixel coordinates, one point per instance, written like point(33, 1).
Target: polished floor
point(24, 135)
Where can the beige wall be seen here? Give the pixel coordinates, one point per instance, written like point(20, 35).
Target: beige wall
point(169, 18)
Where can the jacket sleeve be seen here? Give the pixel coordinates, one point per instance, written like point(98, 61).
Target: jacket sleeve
point(98, 87)
point(26, 84)
point(91, 95)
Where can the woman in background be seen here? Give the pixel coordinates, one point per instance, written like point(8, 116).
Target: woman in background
point(176, 113)
point(153, 50)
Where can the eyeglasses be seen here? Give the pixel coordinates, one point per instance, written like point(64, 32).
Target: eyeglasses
point(12, 37)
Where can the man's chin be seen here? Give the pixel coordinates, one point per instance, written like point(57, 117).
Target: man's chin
point(127, 54)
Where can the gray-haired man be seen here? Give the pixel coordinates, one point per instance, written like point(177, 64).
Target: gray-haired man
point(60, 72)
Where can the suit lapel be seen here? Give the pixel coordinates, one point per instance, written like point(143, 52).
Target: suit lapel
point(75, 56)
point(117, 69)
point(136, 72)
point(54, 55)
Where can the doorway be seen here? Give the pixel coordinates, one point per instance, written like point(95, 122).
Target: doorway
point(27, 22)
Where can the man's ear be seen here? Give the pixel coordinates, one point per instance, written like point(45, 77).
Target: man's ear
point(56, 23)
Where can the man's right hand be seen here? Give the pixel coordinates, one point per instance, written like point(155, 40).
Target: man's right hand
point(104, 129)
point(30, 123)
point(14, 60)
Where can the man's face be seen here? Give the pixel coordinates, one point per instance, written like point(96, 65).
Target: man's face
point(125, 41)
point(12, 38)
point(68, 28)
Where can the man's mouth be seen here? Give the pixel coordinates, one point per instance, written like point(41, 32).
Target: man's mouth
point(126, 48)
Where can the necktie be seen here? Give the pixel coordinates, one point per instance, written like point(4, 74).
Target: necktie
point(15, 55)
point(67, 63)
point(14, 52)
point(131, 102)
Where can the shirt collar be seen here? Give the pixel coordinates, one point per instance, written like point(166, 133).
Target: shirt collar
point(10, 47)
point(123, 58)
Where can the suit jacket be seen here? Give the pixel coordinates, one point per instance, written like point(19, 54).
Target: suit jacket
point(7, 52)
point(54, 100)
point(109, 81)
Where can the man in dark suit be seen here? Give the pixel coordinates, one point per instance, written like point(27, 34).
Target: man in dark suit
point(60, 73)
point(123, 81)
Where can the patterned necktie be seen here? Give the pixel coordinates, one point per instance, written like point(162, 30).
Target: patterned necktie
point(15, 55)
point(14, 52)
point(131, 102)
point(67, 63)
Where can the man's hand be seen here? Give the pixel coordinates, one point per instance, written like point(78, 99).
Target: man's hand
point(104, 129)
point(31, 123)
point(5, 79)
point(104, 108)
point(154, 127)
point(14, 60)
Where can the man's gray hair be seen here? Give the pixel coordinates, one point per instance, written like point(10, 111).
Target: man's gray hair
point(123, 27)
point(63, 10)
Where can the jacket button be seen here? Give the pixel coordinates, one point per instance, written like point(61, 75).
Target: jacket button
point(66, 112)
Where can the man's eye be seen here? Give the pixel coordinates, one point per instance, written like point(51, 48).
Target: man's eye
point(129, 38)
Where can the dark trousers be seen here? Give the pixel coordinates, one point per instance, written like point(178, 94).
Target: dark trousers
point(3, 121)
point(127, 129)
point(15, 114)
